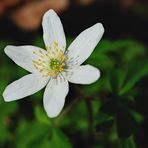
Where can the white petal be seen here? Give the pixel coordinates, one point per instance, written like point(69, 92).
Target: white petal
point(53, 30)
point(23, 55)
point(86, 74)
point(24, 87)
point(54, 96)
point(82, 47)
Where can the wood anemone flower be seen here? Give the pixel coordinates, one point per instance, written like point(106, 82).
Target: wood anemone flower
point(55, 66)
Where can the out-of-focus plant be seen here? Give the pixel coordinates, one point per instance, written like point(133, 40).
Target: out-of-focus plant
point(102, 115)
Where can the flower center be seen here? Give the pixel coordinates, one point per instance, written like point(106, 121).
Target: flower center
point(56, 66)
point(50, 63)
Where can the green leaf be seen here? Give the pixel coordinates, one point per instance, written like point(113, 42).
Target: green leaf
point(138, 117)
point(135, 72)
point(38, 134)
point(100, 60)
point(104, 126)
point(7, 108)
point(41, 116)
point(129, 48)
point(131, 142)
point(125, 121)
point(4, 132)
point(116, 78)
point(127, 142)
point(31, 134)
point(102, 117)
point(76, 118)
point(58, 140)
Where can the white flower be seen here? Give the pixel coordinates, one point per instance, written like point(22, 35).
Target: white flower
point(54, 67)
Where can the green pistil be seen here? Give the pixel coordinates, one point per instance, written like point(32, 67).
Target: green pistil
point(54, 64)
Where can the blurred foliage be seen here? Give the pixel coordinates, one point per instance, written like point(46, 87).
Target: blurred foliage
point(101, 115)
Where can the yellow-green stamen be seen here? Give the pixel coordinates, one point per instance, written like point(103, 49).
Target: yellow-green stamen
point(50, 63)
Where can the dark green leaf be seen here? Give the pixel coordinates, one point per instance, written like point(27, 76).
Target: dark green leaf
point(31, 134)
point(135, 72)
point(116, 78)
point(58, 140)
point(104, 126)
point(127, 143)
